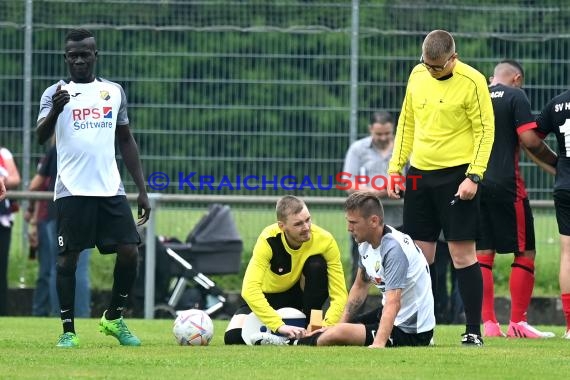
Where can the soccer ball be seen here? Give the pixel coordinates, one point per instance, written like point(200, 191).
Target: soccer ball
point(193, 328)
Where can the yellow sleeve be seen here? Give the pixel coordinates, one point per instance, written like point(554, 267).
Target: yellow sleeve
point(404, 139)
point(337, 285)
point(480, 112)
point(251, 288)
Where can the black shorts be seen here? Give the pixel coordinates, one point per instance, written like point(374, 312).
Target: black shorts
point(428, 208)
point(506, 227)
point(85, 222)
point(562, 207)
point(398, 338)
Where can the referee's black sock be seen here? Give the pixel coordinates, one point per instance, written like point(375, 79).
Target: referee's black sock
point(470, 285)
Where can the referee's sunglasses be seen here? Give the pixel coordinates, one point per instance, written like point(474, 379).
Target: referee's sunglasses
point(436, 68)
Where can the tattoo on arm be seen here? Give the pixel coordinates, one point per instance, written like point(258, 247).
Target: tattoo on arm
point(352, 306)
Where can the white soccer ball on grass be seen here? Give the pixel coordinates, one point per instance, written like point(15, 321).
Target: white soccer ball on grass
point(193, 327)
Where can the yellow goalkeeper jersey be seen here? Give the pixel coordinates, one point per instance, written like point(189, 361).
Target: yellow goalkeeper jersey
point(275, 267)
point(445, 123)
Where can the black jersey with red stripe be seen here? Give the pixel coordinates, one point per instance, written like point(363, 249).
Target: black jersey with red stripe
point(555, 118)
point(503, 181)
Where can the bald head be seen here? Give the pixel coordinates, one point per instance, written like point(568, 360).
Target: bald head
point(508, 73)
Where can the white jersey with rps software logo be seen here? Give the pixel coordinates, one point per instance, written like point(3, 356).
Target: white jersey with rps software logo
point(85, 137)
point(397, 263)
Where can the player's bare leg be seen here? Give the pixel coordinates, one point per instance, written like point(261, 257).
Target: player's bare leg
point(343, 334)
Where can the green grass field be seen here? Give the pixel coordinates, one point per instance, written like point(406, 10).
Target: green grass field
point(27, 351)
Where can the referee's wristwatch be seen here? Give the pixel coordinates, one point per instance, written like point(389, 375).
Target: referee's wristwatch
point(474, 178)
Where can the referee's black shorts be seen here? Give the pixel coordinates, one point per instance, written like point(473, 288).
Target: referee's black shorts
point(428, 208)
point(85, 222)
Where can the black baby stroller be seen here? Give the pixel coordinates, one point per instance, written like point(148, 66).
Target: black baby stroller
point(213, 247)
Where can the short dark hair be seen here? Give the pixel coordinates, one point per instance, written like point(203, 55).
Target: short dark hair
point(78, 35)
point(514, 64)
point(381, 117)
point(438, 44)
point(366, 202)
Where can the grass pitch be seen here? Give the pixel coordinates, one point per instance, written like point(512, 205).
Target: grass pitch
point(27, 351)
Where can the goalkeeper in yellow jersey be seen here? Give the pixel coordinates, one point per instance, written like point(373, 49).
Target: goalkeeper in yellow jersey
point(294, 264)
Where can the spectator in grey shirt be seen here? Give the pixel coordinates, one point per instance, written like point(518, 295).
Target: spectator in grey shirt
point(369, 157)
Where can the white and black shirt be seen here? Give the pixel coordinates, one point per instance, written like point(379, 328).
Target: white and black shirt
point(397, 263)
point(85, 137)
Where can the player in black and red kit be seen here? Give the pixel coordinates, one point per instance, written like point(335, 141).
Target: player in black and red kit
point(506, 222)
point(555, 118)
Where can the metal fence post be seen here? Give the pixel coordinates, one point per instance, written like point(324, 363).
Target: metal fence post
point(26, 127)
point(150, 258)
point(353, 126)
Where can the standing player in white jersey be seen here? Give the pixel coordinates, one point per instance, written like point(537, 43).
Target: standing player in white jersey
point(392, 262)
point(88, 115)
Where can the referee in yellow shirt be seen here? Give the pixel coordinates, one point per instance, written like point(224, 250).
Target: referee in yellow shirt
point(446, 130)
